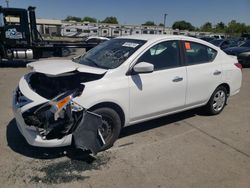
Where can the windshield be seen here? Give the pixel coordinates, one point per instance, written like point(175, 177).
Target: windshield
point(216, 42)
point(112, 53)
point(246, 44)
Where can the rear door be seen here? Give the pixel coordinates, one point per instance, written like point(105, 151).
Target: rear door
point(203, 72)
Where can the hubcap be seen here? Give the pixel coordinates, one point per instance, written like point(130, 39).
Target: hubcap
point(219, 100)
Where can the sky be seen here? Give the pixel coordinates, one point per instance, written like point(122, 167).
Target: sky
point(197, 12)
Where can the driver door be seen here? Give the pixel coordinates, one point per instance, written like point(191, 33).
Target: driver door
point(163, 90)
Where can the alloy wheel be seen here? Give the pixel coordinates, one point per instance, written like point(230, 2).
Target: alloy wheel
point(219, 100)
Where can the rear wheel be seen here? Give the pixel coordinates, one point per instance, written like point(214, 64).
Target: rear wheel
point(217, 101)
point(111, 125)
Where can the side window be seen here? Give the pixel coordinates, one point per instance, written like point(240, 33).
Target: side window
point(198, 53)
point(163, 55)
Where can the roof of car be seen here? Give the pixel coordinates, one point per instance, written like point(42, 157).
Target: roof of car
point(153, 38)
point(149, 37)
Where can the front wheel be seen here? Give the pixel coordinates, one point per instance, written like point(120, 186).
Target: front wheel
point(111, 126)
point(217, 101)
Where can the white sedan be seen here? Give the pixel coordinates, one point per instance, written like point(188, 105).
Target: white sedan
point(121, 82)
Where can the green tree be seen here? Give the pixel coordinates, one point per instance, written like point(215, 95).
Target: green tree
point(207, 27)
point(73, 18)
point(149, 23)
point(89, 19)
point(248, 29)
point(220, 27)
point(236, 28)
point(196, 29)
point(183, 25)
point(161, 25)
point(110, 20)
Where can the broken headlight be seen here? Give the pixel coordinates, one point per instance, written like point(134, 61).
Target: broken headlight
point(62, 116)
point(56, 118)
point(19, 99)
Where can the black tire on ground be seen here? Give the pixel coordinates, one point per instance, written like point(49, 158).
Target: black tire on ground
point(111, 126)
point(217, 101)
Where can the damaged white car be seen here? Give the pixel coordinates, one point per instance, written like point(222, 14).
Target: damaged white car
point(120, 82)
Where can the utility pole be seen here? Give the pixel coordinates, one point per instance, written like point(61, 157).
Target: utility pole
point(7, 3)
point(165, 16)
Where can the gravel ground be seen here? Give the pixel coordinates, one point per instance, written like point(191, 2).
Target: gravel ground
point(187, 149)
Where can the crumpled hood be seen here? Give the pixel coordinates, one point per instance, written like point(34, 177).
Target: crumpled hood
point(56, 67)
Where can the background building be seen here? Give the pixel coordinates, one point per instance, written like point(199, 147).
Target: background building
point(53, 27)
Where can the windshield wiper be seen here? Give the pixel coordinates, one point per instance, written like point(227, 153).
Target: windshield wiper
point(94, 63)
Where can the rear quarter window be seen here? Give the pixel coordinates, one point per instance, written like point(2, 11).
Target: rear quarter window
point(196, 53)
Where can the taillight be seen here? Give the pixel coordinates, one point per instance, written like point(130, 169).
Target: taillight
point(238, 65)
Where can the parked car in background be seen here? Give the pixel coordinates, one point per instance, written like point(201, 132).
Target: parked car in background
point(95, 39)
point(208, 39)
point(244, 59)
point(246, 36)
point(224, 43)
point(245, 47)
point(121, 82)
point(217, 36)
point(242, 52)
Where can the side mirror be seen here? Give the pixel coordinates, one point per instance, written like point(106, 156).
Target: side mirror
point(143, 67)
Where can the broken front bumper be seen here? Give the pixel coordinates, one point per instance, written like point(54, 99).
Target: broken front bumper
point(31, 134)
point(56, 122)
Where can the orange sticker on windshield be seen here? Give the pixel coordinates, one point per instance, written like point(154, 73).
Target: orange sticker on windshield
point(187, 45)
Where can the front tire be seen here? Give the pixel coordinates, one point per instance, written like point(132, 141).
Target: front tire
point(111, 126)
point(217, 101)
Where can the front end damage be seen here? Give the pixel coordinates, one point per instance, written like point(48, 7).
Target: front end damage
point(60, 116)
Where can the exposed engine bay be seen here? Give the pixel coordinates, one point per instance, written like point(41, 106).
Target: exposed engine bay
point(49, 86)
point(61, 116)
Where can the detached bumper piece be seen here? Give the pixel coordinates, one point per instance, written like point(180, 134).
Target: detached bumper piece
point(87, 134)
point(61, 116)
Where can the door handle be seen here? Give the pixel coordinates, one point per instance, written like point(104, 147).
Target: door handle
point(177, 79)
point(217, 72)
